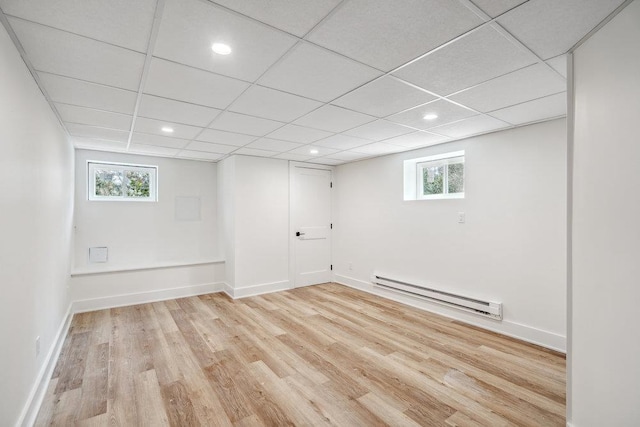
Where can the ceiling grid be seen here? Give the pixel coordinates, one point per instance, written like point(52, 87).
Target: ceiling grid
point(322, 81)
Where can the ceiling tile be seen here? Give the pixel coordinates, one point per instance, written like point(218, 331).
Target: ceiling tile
point(299, 134)
point(198, 24)
point(199, 155)
point(326, 161)
point(76, 92)
point(294, 16)
point(539, 109)
point(273, 145)
point(333, 119)
point(379, 148)
point(210, 147)
point(478, 61)
point(145, 125)
point(472, 126)
point(417, 139)
point(273, 104)
point(349, 155)
point(317, 73)
point(254, 152)
point(241, 123)
point(378, 130)
point(342, 142)
point(227, 138)
point(97, 132)
point(121, 22)
point(176, 81)
point(475, 58)
point(154, 107)
point(66, 54)
point(92, 117)
point(98, 144)
point(294, 157)
point(152, 149)
point(446, 111)
point(383, 97)
point(306, 150)
point(523, 85)
point(559, 63)
point(385, 36)
point(494, 8)
point(162, 141)
point(551, 27)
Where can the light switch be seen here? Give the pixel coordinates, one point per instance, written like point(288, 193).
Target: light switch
point(98, 254)
point(461, 217)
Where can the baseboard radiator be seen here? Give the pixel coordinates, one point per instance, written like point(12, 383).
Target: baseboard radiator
point(489, 309)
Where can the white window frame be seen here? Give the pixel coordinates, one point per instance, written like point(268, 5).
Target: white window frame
point(413, 175)
point(445, 178)
point(92, 165)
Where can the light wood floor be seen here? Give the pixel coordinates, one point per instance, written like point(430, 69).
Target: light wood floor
point(320, 355)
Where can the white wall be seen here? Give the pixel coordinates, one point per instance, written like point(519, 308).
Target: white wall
point(146, 234)
point(511, 248)
point(143, 235)
point(258, 242)
point(605, 350)
point(226, 217)
point(262, 222)
point(36, 211)
point(91, 292)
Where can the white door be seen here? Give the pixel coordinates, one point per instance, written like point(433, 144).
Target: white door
point(311, 224)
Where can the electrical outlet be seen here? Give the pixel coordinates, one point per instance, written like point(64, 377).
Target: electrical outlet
point(461, 217)
point(350, 266)
point(37, 346)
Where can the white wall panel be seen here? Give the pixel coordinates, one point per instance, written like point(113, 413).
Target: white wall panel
point(605, 345)
point(36, 212)
point(261, 221)
point(141, 234)
point(511, 248)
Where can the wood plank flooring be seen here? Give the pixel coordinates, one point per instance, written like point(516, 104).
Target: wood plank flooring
point(321, 355)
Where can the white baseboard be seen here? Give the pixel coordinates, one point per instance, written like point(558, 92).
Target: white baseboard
point(37, 394)
point(228, 289)
point(522, 332)
point(145, 297)
point(262, 288)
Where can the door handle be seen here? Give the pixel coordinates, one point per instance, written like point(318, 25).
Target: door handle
point(298, 234)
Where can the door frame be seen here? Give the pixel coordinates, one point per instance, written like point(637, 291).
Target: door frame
point(292, 242)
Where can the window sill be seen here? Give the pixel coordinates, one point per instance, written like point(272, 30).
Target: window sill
point(442, 197)
point(88, 272)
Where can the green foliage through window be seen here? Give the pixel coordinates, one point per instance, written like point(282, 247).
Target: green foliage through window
point(121, 182)
point(433, 180)
point(137, 184)
point(441, 177)
point(455, 178)
point(108, 182)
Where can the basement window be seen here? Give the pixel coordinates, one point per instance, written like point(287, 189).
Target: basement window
point(122, 182)
point(434, 177)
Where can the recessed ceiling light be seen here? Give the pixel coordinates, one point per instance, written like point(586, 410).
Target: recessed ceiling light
point(313, 151)
point(430, 116)
point(167, 129)
point(221, 48)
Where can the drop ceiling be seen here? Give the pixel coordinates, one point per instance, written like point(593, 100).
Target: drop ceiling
point(345, 80)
